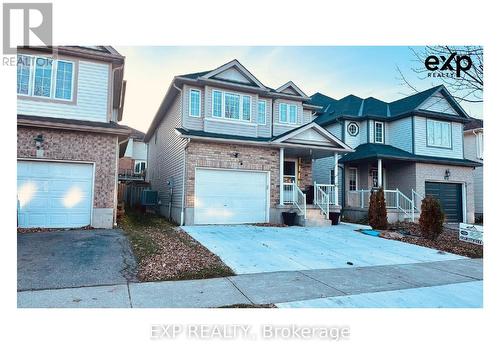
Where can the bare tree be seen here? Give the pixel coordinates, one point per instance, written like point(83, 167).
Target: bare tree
point(467, 87)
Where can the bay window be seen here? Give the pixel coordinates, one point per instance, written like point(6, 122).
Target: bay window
point(45, 77)
point(231, 105)
point(438, 133)
point(194, 103)
point(261, 116)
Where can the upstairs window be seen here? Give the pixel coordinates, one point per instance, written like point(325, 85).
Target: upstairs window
point(287, 113)
point(261, 116)
point(45, 77)
point(231, 105)
point(438, 134)
point(217, 104)
point(379, 132)
point(194, 103)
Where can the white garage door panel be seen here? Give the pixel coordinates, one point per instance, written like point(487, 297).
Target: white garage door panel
point(54, 194)
point(230, 197)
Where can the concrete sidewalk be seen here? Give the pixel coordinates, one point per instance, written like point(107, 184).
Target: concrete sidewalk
point(266, 288)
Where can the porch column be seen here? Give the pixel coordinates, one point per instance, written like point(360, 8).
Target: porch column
point(282, 161)
point(336, 178)
point(379, 173)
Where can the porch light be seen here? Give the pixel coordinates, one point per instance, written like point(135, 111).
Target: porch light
point(447, 174)
point(236, 154)
point(38, 141)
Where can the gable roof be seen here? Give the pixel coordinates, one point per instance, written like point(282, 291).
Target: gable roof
point(354, 107)
point(253, 81)
point(370, 151)
point(292, 86)
point(313, 126)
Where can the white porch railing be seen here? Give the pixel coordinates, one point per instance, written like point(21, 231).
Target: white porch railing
point(394, 199)
point(322, 200)
point(293, 195)
point(329, 189)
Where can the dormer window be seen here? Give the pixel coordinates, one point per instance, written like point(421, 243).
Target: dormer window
point(379, 132)
point(287, 113)
point(45, 77)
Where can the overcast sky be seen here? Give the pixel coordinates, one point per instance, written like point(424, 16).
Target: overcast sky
point(334, 71)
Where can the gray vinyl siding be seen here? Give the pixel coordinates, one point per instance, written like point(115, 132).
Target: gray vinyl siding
point(265, 130)
point(402, 176)
point(92, 97)
point(360, 138)
point(322, 173)
point(307, 116)
point(280, 128)
point(437, 103)
point(470, 152)
point(335, 129)
point(399, 134)
point(224, 126)
point(421, 147)
point(166, 159)
point(192, 123)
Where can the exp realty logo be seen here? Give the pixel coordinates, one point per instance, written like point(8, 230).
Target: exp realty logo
point(26, 24)
point(451, 66)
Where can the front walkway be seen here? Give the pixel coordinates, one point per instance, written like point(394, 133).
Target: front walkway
point(451, 283)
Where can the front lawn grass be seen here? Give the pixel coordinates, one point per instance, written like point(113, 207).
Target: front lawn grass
point(165, 252)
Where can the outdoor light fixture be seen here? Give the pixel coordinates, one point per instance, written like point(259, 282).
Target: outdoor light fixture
point(236, 154)
point(447, 174)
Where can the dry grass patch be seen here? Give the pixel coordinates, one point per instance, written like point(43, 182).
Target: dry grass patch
point(165, 252)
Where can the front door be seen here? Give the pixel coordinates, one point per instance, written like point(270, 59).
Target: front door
point(374, 183)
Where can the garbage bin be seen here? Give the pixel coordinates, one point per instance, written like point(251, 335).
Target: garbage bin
point(334, 217)
point(288, 218)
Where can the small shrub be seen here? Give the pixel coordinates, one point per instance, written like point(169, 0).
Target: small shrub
point(431, 218)
point(377, 212)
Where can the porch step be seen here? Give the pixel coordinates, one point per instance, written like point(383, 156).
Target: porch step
point(314, 218)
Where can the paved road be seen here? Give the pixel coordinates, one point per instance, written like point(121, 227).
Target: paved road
point(72, 258)
point(451, 279)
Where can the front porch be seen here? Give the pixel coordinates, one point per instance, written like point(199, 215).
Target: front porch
point(312, 201)
point(396, 177)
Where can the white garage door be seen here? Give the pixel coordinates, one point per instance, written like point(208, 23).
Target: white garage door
point(54, 194)
point(230, 197)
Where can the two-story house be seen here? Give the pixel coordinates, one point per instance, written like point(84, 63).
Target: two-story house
point(473, 150)
point(225, 149)
point(69, 100)
point(412, 147)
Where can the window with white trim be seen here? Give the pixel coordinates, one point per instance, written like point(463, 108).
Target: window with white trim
point(231, 105)
point(261, 114)
point(288, 113)
point(379, 132)
point(353, 179)
point(45, 77)
point(479, 145)
point(194, 103)
point(438, 133)
point(217, 104)
point(140, 166)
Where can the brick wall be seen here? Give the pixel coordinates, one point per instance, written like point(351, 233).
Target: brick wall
point(77, 146)
point(458, 174)
point(305, 173)
point(215, 155)
point(125, 163)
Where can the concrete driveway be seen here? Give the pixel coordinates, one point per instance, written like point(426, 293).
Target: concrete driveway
point(253, 249)
point(73, 258)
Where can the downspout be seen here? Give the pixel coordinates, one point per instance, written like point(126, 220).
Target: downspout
point(183, 159)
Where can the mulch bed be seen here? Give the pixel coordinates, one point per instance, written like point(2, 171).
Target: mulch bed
point(165, 252)
point(448, 240)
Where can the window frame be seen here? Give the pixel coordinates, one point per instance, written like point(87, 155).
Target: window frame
point(355, 169)
point(353, 124)
point(381, 124)
point(191, 90)
point(480, 145)
point(258, 112)
point(241, 99)
point(53, 79)
point(138, 163)
point(287, 111)
point(441, 123)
